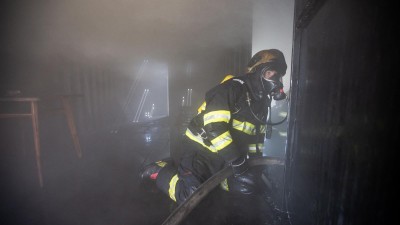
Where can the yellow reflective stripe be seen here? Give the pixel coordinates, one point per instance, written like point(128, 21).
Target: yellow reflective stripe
point(245, 127)
point(222, 141)
point(203, 106)
point(253, 149)
point(161, 163)
point(217, 116)
point(224, 185)
point(198, 139)
point(172, 185)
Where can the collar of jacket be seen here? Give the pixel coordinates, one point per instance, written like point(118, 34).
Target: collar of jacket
point(254, 86)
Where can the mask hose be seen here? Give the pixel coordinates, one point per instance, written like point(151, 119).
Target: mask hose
point(269, 111)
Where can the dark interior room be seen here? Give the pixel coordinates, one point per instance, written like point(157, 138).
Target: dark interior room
point(91, 91)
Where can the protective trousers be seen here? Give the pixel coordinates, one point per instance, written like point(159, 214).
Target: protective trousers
point(195, 167)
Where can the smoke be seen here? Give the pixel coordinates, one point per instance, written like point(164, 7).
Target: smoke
point(122, 28)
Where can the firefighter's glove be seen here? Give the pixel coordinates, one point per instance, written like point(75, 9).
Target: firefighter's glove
point(242, 181)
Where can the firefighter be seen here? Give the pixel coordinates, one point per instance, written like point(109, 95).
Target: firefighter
point(229, 128)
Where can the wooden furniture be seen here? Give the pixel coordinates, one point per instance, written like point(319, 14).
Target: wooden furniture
point(68, 112)
point(33, 115)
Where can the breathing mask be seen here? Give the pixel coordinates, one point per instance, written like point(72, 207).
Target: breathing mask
point(273, 86)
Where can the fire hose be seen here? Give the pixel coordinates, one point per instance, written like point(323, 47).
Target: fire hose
point(191, 202)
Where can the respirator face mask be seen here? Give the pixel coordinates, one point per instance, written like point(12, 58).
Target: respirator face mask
point(273, 86)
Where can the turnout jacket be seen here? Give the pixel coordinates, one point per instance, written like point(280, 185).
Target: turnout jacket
point(232, 122)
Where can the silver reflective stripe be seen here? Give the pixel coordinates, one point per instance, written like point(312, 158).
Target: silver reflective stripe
point(222, 141)
point(245, 127)
point(253, 149)
point(263, 129)
point(217, 116)
point(198, 139)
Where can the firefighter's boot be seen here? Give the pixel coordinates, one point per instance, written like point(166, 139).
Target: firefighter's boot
point(150, 172)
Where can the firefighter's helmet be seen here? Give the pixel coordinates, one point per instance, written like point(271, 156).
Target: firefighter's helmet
point(270, 59)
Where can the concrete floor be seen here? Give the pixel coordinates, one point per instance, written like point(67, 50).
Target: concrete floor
point(102, 188)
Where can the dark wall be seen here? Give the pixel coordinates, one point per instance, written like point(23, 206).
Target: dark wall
point(342, 114)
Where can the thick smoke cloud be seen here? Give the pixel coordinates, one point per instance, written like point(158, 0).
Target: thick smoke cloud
point(123, 29)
